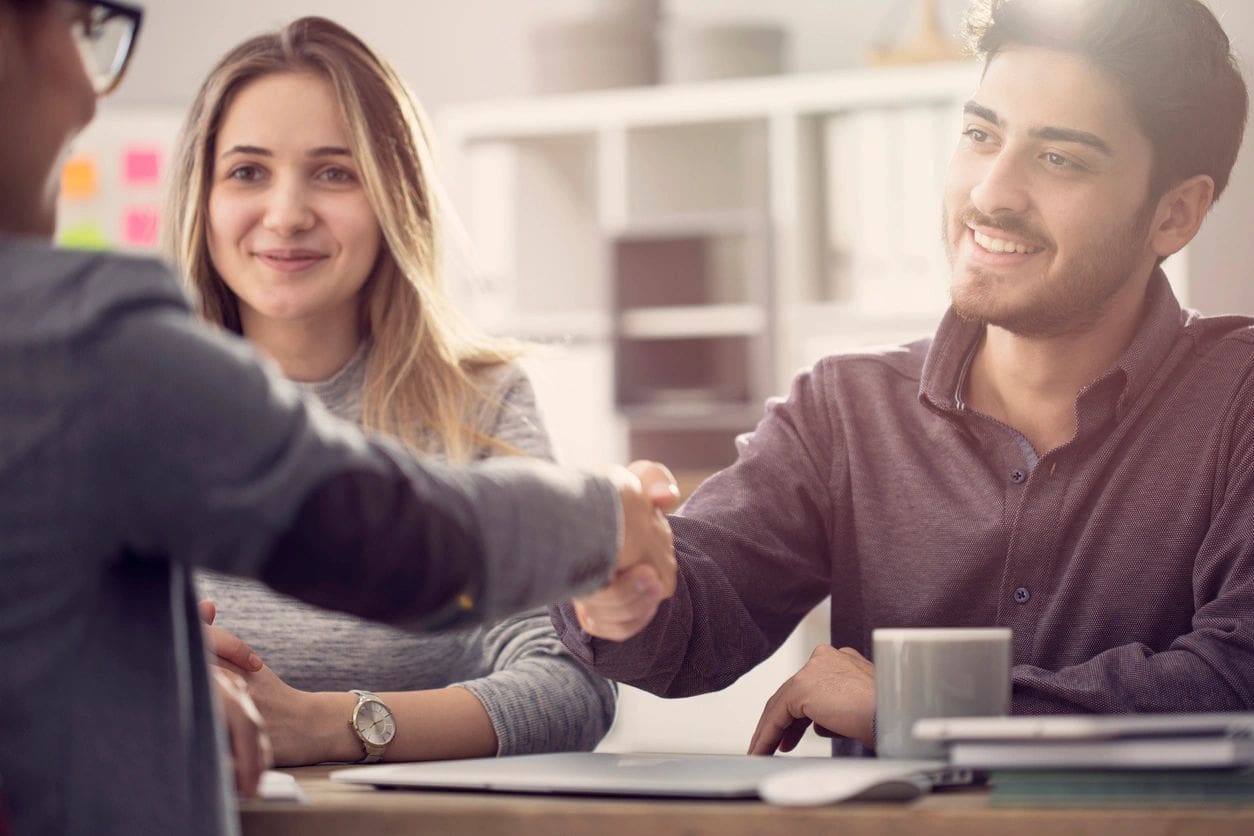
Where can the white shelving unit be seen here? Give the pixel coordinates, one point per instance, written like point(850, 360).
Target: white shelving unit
point(688, 248)
point(713, 238)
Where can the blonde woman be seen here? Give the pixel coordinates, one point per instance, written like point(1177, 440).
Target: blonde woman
point(306, 214)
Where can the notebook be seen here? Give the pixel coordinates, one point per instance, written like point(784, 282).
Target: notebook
point(1142, 741)
point(1085, 726)
point(783, 780)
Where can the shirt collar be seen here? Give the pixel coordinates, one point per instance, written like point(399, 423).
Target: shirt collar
point(949, 358)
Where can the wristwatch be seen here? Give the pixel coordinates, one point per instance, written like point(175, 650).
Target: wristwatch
point(374, 725)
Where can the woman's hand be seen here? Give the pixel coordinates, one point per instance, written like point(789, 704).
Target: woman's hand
point(229, 651)
point(250, 748)
point(291, 716)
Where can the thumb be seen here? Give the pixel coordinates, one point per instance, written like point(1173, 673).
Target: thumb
point(657, 482)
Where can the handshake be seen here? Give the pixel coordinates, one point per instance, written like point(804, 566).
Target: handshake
point(644, 573)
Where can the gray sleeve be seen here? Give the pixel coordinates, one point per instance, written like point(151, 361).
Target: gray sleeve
point(539, 697)
point(211, 459)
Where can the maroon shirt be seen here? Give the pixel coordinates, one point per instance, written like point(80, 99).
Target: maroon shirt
point(1123, 560)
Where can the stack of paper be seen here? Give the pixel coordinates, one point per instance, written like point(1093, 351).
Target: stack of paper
point(1105, 760)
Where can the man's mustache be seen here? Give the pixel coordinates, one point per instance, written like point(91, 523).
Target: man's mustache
point(1016, 225)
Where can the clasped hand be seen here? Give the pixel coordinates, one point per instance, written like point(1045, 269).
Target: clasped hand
point(644, 574)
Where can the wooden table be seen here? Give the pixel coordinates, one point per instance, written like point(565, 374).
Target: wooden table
point(349, 809)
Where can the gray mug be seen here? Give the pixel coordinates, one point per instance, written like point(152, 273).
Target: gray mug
point(936, 672)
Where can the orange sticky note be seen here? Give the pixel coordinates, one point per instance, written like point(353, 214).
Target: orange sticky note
point(139, 226)
point(79, 179)
point(141, 166)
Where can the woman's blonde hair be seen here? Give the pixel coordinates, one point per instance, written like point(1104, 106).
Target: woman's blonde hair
point(420, 375)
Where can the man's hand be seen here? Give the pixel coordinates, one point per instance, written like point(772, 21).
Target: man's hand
point(250, 748)
point(835, 691)
point(644, 574)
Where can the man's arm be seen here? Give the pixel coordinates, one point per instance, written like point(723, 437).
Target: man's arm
point(208, 458)
point(752, 547)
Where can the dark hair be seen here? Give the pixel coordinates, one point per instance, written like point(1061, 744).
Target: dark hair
point(1171, 57)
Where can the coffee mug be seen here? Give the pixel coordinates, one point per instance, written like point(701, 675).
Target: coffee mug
point(936, 672)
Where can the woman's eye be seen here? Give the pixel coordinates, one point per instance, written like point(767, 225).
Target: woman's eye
point(244, 173)
point(89, 21)
point(336, 175)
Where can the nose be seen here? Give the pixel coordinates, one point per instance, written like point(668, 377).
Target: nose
point(1003, 186)
point(288, 210)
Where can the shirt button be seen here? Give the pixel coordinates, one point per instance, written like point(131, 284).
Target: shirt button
point(1017, 476)
point(1022, 596)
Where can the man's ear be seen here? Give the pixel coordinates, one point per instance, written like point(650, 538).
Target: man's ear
point(1180, 213)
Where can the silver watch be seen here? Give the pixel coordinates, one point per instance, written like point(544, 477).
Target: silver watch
point(374, 725)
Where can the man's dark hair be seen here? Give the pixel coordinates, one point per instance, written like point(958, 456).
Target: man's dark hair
point(1171, 57)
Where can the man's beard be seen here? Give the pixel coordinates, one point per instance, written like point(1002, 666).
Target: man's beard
point(1072, 300)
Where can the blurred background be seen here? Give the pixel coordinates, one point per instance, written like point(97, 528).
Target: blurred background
point(682, 202)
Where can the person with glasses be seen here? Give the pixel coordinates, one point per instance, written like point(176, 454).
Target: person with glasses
point(309, 239)
point(136, 445)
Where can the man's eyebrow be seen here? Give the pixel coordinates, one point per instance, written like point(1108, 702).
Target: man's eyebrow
point(1048, 132)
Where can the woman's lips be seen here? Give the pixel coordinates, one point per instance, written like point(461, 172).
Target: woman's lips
point(289, 261)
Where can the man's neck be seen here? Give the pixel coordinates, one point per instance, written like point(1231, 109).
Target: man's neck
point(1031, 383)
point(308, 350)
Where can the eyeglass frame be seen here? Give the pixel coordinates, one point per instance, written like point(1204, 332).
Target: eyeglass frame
point(134, 14)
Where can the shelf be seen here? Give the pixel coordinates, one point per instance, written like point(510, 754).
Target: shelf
point(711, 224)
point(573, 326)
point(691, 321)
point(718, 101)
point(714, 415)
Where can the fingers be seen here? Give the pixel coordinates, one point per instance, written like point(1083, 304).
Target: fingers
point(250, 748)
point(657, 482)
point(646, 533)
point(230, 649)
point(622, 608)
point(208, 611)
point(779, 724)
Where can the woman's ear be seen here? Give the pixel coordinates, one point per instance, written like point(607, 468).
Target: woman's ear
point(1180, 213)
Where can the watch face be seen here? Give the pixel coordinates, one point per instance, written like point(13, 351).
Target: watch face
point(374, 723)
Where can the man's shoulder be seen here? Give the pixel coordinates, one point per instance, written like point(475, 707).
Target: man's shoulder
point(1231, 331)
point(49, 292)
point(874, 365)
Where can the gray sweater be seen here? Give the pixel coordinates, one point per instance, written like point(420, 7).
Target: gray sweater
point(538, 696)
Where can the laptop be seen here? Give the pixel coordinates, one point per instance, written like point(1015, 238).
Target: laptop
point(783, 780)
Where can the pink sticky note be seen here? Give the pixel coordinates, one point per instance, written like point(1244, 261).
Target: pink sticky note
point(141, 166)
point(139, 226)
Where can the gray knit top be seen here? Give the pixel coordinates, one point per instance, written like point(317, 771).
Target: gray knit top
point(538, 696)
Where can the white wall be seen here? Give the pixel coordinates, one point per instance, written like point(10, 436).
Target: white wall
point(466, 49)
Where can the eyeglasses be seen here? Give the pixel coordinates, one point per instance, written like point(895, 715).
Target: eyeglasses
point(105, 32)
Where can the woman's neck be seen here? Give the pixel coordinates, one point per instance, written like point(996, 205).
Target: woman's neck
point(308, 350)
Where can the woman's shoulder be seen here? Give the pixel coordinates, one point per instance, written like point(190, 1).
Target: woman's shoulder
point(510, 413)
point(499, 381)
